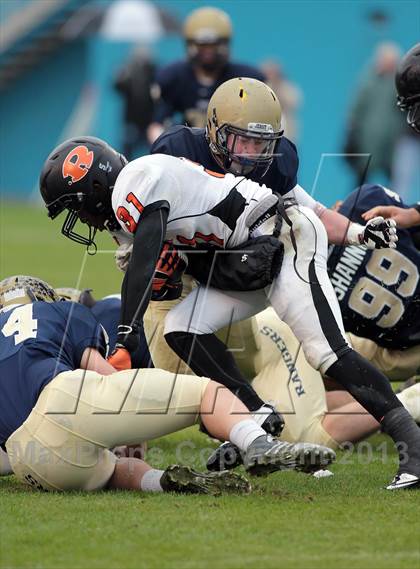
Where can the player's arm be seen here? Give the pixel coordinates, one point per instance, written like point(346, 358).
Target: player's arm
point(403, 217)
point(93, 361)
point(377, 233)
point(137, 284)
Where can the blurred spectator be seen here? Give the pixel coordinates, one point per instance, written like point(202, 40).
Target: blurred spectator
point(289, 95)
point(133, 82)
point(186, 86)
point(375, 125)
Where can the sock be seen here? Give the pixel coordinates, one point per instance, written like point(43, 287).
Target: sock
point(410, 398)
point(150, 481)
point(366, 383)
point(245, 432)
point(401, 427)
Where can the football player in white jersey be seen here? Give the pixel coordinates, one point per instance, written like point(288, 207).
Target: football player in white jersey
point(151, 199)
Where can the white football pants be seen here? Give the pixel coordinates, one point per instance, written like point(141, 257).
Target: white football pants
point(302, 296)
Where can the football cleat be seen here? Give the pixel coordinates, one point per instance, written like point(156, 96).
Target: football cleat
point(225, 457)
point(269, 419)
point(266, 455)
point(185, 480)
point(274, 422)
point(404, 480)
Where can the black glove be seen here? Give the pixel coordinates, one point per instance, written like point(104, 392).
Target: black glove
point(128, 337)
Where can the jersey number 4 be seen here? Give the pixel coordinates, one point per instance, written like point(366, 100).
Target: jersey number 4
point(21, 324)
point(371, 296)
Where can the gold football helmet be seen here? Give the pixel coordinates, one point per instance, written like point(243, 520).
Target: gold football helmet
point(207, 32)
point(69, 294)
point(247, 110)
point(207, 25)
point(22, 289)
point(76, 295)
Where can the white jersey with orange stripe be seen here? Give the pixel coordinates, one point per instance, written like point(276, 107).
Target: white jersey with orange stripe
point(204, 207)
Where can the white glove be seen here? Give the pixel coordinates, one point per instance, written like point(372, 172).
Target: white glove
point(123, 255)
point(378, 233)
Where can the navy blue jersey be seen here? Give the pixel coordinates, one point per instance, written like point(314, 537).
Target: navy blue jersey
point(107, 312)
point(191, 143)
point(37, 342)
point(378, 290)
point(181, 92)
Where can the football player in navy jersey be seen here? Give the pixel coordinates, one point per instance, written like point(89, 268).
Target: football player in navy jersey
point(243, 136)
point(378, 290)
point(58, 394)
point(185, 87)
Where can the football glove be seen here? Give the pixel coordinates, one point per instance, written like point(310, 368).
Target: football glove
point(127, 343)
point(378, 233)
point(123, 255)
point(167, 280)
point(120, 359)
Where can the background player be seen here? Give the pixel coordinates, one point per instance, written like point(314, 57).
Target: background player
point(151, 200)
point(185, 87)
point(407, 82)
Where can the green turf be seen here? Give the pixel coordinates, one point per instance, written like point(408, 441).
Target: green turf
point(290, 520)
point(31, 244)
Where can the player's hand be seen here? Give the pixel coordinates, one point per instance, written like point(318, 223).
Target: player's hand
point(126, 344)
point(379, 233)
point(120, 359)
point(123, 255)
point(167, 280)
point(167, 290)
point(403, 217)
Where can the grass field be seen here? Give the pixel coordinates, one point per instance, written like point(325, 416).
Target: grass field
point(290, 520)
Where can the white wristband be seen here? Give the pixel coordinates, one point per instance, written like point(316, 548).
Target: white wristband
point(354, 234)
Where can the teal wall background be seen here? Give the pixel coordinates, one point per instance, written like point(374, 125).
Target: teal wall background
point(324, 47)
